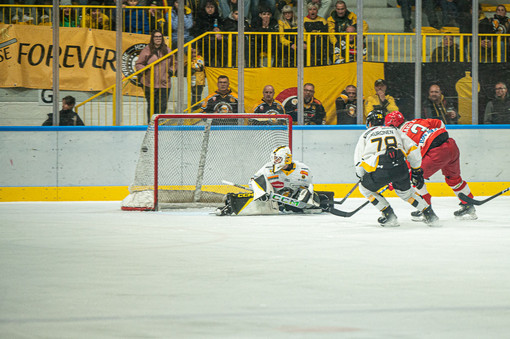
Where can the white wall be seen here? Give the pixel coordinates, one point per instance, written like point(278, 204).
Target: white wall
point(88, 157)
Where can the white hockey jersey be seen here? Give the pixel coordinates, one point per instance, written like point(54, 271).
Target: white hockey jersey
point(298, 176)
point(374, 143)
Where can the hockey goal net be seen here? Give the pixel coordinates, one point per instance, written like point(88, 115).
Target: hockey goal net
point(185, 157)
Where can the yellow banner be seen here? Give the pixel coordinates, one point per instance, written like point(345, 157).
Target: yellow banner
point(87, 57)
point(329, 82)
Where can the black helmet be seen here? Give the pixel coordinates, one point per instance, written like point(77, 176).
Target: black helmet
point(376, 118)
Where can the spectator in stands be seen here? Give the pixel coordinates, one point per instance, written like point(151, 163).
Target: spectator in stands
point(208, 20)
point(197, 77)
point(268, 104)
point(447, 51)
point(256, 5)
point(135, 20)
point(323, 5)
point(341, 18)
point(314, 112)
point(318, 43)
point(346, 113)
point(436, 106)
point(380, 100)
point(230, 25)
point(260, 43)
point(67, 117)
point(24, 15)
point(163, 71)
point(227, 7)
point(282, 3)
point(428, 9)
point(188, 24)
point(95, 18)
point(158, 21)
point(450, 12)
point(221, 101)
point(348, 48)
point(500, 21)
point(287, 47)
point(486, 42)
point(69, 17)
point(497, 110)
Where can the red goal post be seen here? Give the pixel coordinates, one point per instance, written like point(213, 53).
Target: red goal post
point(184, 157)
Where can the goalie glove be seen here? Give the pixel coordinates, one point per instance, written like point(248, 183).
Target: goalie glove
point(417, 177)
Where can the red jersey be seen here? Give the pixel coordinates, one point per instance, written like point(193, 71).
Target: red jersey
point(423, 132)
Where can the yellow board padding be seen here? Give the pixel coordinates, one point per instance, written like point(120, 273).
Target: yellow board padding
point(117, 193)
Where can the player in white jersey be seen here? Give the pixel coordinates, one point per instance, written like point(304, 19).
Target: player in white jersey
point(380, 158)
point(283, 176)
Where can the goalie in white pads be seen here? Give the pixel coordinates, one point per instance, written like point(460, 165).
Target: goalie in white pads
point(380, 158)
point(284, 177)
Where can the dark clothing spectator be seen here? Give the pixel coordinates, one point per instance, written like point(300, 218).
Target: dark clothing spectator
point(447, 51)
point(497, 110)
point(66, 118)
point(428, 9)
point(220, 103)
point(486, 42)
point(318, 43)
point(230, 25)
point(314, 112)
point(346, 110)
point(212, 47)
point(135, 21)
point(439, 110)
point(259, 43)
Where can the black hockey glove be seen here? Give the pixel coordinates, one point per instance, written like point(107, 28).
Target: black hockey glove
point(417, 177)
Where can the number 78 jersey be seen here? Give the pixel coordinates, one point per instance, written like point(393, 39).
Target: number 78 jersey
point(376, 140)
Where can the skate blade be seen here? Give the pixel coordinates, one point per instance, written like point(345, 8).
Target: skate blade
point(466, 217)
point(393, 224)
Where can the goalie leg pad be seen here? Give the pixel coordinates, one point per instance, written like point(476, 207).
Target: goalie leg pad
point(244, 204)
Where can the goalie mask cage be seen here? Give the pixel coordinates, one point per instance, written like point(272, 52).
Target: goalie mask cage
point(184, 157)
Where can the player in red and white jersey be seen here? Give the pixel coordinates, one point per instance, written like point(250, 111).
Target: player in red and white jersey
point(439, 152)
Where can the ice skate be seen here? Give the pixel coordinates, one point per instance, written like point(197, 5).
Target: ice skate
point(417, 216)
point(225, 210)
point(430, 217)
point(389, 219)
point(466, 212)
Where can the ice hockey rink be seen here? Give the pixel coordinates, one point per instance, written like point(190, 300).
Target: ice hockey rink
point(90, 270)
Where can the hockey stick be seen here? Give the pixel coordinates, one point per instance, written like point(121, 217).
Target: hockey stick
point(350, 214)
point(472, 201)
point(348, 194)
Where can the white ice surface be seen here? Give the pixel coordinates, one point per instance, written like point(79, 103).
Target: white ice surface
point(90, 270)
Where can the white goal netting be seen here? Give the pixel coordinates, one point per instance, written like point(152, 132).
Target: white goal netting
point(185, 157)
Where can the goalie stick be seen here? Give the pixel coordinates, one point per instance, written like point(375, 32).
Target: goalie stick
point(472, 201)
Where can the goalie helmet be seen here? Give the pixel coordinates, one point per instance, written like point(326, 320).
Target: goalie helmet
point(280, 157)
point(376, 118)
point(395, 119)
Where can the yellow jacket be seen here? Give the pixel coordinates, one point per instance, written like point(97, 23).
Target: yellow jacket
point(388, 106)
